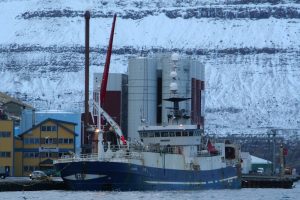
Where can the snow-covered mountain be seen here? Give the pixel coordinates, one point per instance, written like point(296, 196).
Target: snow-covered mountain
point(250, 48)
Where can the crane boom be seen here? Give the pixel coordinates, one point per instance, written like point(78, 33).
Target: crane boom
point(103, 88)
point(112, 122)
point(107, 63)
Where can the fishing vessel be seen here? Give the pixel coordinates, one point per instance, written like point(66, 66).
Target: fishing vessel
point(170, 157)
point(176, 155)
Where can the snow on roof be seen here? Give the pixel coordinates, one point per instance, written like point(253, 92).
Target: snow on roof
point(257, 160)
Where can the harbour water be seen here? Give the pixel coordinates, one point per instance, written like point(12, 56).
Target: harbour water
point(242, 194)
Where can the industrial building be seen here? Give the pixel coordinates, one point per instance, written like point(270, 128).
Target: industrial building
point(149, 82)
point(115, 103)
point(138, 97)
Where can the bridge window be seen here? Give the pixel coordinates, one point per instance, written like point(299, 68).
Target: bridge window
point(151, 134)
point(143, 134)
point(164, 134)
point(185, 133)
point(178, 134)
point(197, 133)
point(190, 133)
point(157, 134)
point(172, 134)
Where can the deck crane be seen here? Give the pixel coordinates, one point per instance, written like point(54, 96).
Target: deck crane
point(103, 87)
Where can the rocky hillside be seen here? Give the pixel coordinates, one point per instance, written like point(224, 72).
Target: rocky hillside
point(250, 48)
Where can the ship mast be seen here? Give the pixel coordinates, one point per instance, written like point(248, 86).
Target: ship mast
point(175, 114)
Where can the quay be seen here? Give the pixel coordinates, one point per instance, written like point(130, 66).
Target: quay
point(262, 181)
point(26, 184)
point(56, 183)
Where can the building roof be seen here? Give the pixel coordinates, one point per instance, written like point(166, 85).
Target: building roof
point(57, 122)
point(257, 160)
point(5, 99)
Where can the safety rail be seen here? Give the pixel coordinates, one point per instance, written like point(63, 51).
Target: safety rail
point(134, 151)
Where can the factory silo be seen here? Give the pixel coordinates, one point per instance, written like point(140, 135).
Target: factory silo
point(142, 94)
point(169, 63)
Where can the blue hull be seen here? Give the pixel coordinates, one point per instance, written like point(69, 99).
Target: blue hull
point(125, 177)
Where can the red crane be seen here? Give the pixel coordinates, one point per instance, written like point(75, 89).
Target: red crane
point(107, 63)
point(104, 84)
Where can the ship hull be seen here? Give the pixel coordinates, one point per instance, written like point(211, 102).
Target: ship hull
point(99, 175)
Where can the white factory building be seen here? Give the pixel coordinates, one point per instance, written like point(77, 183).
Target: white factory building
point(137, 97)
point(149, 82)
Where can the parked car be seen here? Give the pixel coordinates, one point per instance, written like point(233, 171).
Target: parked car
point(2, 175)
point(38, 175)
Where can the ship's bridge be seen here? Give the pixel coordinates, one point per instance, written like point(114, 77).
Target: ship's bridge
point(179, 135)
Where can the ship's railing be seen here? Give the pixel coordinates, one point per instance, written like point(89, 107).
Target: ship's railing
point(108, 156)
point(205, 153)
point(77, 158)
point(157, 149)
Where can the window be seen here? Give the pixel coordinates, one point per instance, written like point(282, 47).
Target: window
point(143, 134)
point(49, 140)
point(31, 141)
point(185, 133)
point(172, 134)
point(4, 154)
point(26, 140)
point(197, 133)
point(190, 133)
point(37, 141)
point(157, 134)
point(178, 134)
point(164, 134)
point(31, 154)
point(44, 128)
point(5, 134)
point(151, 134)
point(49, 128)
point(64, 140)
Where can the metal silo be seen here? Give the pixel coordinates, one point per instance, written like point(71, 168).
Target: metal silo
point(142, 93)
